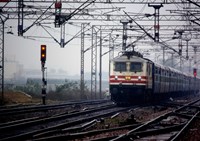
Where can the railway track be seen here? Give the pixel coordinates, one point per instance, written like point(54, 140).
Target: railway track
point(27, 129)
point(4, 111)
point(168, 126)
point(86, 124)
point(32, 121)
point(16, 114)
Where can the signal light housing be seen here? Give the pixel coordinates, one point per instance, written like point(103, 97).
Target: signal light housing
point(195, 72)
point(43, 53)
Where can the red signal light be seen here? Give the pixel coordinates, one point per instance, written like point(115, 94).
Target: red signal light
point(195, 72)
point(43, 53)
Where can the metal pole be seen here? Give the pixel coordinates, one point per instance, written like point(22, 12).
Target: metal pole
point(156, 20)
point(43, 85)
point(172, 59)
point(195, 62)
point(187, 49)
point(93, 63)
point(163, 55)
point(195, 56)
point(190, 65)
point(2, 58)
point(95, 66)
point(82, 61)
point(124, 36)
point(110, 49)
point(3, 45)
point(100, 66)
point(20, 17)
point(62, 39)
point(180, 47)
point(44, 82)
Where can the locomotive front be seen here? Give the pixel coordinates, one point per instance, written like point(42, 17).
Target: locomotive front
point(128, 79)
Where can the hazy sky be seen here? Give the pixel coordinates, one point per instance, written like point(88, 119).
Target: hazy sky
point(27, 52)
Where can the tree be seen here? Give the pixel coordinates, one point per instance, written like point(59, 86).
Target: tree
point(70, 90)
point(32, 88)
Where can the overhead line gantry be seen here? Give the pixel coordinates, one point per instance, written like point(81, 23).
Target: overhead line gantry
point(54, 12)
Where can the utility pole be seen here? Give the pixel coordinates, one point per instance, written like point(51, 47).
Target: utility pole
point(187, 38)
point(62, 40)
point(2, 39)
point(163, 55)
point(111, 46)
point(190, 65)
point(180, 46)
point(20, 17)
point(156, 20)
point(44, 81)
point(172, 58)
point(195, 64)
point(58, 7)
point(60, 22)
point(93, 63)
point(187, 57)
point(195, 56)
point(100, 66)
point(82, 92)
point(124, 36)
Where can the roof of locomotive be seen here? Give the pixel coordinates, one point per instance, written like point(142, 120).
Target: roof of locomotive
point(123, 58)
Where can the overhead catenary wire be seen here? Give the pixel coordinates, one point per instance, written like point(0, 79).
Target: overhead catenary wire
point(37, 19)
point(79, 9)
point(161, 43)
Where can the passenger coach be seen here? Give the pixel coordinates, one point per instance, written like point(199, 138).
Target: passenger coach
point(134, 79)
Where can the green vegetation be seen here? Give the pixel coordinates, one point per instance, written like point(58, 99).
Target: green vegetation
point(32, 88)
point(68, 90)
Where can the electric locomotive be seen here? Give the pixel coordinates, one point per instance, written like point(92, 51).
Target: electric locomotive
point(134, 79)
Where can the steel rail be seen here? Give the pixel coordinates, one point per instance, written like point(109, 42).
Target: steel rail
point(29, 109)
point(178, 136)
point(30, 134)
point(84, 134)
point(30, 122)
point(147, 124)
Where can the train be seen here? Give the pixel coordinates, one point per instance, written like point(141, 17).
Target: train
point(134, 79)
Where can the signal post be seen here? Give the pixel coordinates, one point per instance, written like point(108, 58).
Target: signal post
point(43, 50)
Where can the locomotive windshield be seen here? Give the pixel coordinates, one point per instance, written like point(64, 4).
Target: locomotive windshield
point(135, 67)
point(120, 66)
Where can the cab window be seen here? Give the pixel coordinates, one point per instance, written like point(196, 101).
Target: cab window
point(120, 66)
point(135, 67)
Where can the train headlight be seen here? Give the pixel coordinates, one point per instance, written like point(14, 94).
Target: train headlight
point(116, 77)
point(139, 77)
point(128, 78)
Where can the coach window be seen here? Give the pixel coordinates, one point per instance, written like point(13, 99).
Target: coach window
point(135, 67)
point(120, 66)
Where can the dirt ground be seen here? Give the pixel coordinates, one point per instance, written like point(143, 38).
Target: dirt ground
point(17, 97)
